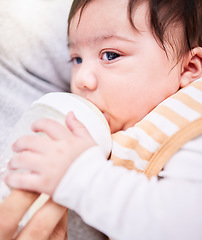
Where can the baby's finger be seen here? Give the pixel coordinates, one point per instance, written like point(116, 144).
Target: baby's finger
point(53, 129)
point(26, 160)
point(76, 126)
point(24, 181)
point(34, 143)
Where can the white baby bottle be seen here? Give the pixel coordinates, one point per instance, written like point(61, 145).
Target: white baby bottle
point(56, 105)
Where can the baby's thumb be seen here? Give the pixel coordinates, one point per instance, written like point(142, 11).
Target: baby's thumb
point(75, 126)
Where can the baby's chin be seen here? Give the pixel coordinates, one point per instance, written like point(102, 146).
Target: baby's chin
point(121, 127)
point(114, 128)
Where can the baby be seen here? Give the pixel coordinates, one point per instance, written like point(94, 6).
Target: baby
point(128, 58)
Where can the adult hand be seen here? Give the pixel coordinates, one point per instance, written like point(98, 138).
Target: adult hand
point(48, 223)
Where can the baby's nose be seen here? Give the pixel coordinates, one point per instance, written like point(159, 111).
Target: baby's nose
point(86, 78)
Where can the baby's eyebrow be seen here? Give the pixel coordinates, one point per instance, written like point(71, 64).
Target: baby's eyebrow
point(98, 39)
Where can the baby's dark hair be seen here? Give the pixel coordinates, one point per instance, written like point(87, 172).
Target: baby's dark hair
point(163, 14)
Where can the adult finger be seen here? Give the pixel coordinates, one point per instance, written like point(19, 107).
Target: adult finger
point(53, 129)
point(60, 231)
point(12, 209)
point(43, 222)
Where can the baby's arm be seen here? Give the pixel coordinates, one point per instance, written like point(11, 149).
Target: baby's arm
point(46, 159)
point(124, 204)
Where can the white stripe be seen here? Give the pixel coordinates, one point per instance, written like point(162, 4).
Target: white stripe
point(181, 109)
point(194, 93)
point(128, 154)
point(145, 140)
point(162, 123)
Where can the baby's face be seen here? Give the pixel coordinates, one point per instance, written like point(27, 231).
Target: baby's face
point(124, 72)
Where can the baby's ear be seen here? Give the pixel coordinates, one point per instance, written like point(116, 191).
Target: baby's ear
point(191, 66)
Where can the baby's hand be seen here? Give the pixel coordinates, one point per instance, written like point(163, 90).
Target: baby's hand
point(46, 159)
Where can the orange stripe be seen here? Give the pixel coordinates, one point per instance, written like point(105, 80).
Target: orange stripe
point(189, 102)
point(171, 116)
point(129, 164)
point(197, 85)
point(131, 143)
point(170, 147)
point(152, 130)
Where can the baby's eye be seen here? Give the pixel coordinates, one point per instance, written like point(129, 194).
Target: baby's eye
point(109, 56)
point(76, 60)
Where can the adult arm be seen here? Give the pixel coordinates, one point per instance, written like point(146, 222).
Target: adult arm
point(50, 221)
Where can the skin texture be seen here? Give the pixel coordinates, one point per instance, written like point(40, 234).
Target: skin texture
point(123, 71)
point(50, 222)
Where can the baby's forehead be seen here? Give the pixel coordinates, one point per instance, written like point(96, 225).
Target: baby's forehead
point(116, 15)
point(111, 15)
